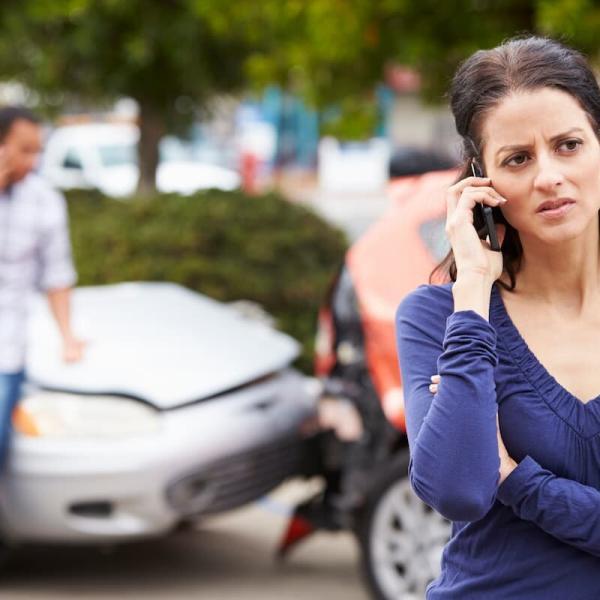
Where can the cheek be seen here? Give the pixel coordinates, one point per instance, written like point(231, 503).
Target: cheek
point(513, 215)
point(517, 195)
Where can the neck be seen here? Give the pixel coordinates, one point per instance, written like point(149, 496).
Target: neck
point(566, 276)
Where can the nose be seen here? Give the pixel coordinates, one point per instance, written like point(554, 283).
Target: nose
point(549, 175)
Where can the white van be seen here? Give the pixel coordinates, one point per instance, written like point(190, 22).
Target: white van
point(104, 156)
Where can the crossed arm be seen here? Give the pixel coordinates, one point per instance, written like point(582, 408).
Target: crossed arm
point(459, 465)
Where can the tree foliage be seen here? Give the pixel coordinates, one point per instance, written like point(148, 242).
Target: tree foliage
point(174, 56)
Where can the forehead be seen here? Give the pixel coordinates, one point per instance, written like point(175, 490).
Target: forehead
point(524, 115)
point(23, 129)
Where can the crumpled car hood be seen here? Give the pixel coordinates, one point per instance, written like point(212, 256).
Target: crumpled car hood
point(159, 342)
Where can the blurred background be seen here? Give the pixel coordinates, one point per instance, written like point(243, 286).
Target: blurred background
point(240, 149)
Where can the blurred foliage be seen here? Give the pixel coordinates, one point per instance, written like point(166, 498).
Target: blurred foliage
point(332, 49)
point(352, 119)
point(223, 244)
point(175, 56)
point(171, 56)
point(574, 21)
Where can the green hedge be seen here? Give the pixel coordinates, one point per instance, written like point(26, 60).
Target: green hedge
point(224, 244)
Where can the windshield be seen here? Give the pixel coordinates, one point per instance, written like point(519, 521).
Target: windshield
point(118, 154)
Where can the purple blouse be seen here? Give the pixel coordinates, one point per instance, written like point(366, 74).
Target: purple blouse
point(538, 534)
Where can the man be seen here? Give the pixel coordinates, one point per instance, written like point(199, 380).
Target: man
point(35, 253)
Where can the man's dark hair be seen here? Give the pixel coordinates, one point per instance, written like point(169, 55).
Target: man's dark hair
point(10, 114)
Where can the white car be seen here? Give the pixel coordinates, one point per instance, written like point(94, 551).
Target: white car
point(181, 407)
point(104, 156)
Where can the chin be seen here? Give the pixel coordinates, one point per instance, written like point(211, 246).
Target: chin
point(567, 232)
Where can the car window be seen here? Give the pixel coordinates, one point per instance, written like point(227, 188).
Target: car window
point(115, 155)
point(434, 236)
point(72, 160)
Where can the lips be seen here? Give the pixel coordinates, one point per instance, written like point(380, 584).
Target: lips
point(550, 205)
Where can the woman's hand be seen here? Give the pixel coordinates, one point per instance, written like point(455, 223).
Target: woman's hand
point(507, 464)
point(472, 255)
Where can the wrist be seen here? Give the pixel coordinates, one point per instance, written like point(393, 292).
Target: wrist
point(472, 291)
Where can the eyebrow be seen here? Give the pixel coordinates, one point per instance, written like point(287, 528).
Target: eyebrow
point(552, 139)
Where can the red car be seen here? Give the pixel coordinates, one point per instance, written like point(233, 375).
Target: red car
point(363, 454)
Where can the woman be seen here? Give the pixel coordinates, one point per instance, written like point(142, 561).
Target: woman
point(508, 445)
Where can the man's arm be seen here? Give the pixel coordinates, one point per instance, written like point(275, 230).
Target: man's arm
point(57, 274)
point(60, 304)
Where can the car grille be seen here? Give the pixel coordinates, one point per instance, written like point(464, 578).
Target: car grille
point(235, 480)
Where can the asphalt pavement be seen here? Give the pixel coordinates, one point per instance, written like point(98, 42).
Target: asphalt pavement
point(351, 211)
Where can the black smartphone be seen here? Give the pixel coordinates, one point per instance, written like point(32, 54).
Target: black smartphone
point(489, 228)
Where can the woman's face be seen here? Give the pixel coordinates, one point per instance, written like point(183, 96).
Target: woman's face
point(542, 155)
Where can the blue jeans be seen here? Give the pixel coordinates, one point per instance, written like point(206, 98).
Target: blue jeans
point(10, 392)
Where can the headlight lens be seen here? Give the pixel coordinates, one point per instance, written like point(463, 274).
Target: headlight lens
point(61, 415)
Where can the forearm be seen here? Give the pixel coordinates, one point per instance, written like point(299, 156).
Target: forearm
point(60, 305)
point(472, 292)
point(452, 434)
point(565, 509)
point(455, 460)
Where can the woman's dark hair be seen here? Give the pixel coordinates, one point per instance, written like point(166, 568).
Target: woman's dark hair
point(488, 76)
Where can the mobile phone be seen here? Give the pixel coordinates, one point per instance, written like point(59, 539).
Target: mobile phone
point(489, 228)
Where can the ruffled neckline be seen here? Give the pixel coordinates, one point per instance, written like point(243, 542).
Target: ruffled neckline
point(583, 417)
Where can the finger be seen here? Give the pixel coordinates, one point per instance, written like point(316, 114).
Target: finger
point(469, 199)
point(454, 191)
point(435, 378)
point(484, 192)
point(475, 181)
point(433, 388)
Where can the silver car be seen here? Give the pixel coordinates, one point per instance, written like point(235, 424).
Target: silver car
point(181, 407)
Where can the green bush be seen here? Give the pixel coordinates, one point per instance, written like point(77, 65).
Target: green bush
point(224, 244)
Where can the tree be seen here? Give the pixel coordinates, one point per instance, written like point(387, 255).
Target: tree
point(171, 56)
point(174, 56)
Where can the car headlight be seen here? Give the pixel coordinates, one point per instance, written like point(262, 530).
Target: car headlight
point(62, 415)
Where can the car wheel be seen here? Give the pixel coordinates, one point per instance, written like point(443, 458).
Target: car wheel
point(401, 538)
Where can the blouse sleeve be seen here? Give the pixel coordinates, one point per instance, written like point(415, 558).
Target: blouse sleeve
point(565, 509)
point(454, 466)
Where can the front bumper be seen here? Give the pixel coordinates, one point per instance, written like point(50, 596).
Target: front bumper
point(205, 457)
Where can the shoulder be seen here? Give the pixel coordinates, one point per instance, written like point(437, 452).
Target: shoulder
point(427, 301)
point(33, 184)
point(49, 201)
point(423, 314)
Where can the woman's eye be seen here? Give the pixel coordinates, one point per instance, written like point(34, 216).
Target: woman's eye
point(516, 160)
point(570, 145)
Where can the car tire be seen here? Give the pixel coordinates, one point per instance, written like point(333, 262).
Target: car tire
point(401, 538)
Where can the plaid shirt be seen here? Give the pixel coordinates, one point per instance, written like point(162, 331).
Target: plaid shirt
point(35, 253)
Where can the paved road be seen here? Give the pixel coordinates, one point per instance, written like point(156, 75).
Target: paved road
point(225, 558)
point(352, 212)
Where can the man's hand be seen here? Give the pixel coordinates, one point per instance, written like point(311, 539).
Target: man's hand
point(507, 464)
point(73, 349)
